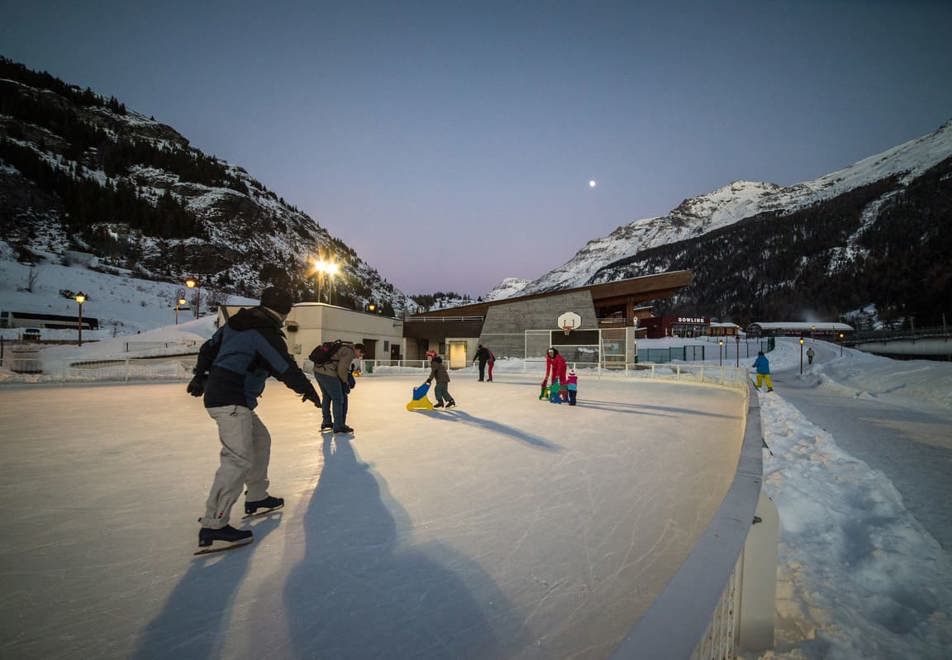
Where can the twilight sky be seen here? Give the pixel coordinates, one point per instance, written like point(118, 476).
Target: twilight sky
point(451, 143)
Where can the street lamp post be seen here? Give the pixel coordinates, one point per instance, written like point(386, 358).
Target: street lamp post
point(720, 351)
point(737, 355)
point(841, 344)
point(80, 298)
point(192, 283)
point(801, 356)
point(179, 301)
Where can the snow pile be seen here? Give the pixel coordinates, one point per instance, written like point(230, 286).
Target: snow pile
point(859, 575)
point(508, 288)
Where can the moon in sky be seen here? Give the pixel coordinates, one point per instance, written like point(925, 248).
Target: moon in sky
point(592, 183)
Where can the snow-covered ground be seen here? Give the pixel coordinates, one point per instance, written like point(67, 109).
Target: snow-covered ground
point(861, 452)
point(124, 304)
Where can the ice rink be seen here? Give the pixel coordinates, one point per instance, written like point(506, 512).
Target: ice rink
point(508, 527)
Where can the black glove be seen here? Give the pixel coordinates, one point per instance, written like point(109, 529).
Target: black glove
point(351, 382)
point(312, 396)
point(429, 380)
point(196, 386)
point(346, 389)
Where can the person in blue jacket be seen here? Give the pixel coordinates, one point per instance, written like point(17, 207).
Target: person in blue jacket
point(230, 373)
point(762, 364)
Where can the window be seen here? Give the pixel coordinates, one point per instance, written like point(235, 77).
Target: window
point(386, 345)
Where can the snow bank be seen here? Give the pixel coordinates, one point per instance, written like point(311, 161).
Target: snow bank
point(859, 575)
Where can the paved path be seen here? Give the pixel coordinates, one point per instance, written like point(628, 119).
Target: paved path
point(911, 446)
point(508, 528)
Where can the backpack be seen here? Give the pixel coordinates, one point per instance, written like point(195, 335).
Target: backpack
point(324, 353)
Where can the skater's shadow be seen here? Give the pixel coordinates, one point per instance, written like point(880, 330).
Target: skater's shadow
point(648, 406)
point(194, 621)
point(364, 589)
point(495, 427)
point(619, 408)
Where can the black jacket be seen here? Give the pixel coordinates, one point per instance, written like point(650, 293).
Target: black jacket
point(241, 356)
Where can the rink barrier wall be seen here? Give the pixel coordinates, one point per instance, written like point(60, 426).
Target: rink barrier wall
point(714, 605)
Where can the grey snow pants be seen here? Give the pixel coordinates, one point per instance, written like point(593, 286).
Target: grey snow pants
point(245, 454)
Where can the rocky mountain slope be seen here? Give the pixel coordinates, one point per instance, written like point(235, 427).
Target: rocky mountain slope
point(742, 241)
point(84, 173)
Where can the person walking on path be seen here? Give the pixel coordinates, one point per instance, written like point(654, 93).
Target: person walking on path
point(333, 377)
point(230, 374)
point(810, 354)
point(762, 364)
point(492, 361)
point(439, 373)
point(482, 357)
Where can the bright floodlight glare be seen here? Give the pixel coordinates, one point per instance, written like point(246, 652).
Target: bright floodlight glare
point(592, 183)
point(331, 268)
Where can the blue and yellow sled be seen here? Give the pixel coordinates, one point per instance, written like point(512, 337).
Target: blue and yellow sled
point(420, 400)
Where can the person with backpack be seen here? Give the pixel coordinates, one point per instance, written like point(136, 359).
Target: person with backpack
point(332, 370)
point(230, 374)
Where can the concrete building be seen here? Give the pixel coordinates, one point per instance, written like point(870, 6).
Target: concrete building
point(525, 326)
point(310, 324)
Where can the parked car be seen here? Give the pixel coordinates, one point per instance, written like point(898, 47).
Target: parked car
point(31, 334)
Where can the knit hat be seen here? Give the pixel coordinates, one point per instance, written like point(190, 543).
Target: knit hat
point(277, 299)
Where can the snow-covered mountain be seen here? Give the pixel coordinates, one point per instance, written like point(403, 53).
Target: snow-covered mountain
point(509, 287)
point(732, 203)
point(81, 172)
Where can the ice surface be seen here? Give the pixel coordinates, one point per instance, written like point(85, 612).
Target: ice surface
point(507, 528)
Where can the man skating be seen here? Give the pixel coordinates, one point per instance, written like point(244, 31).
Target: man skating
point(332, 376)
point(231, 371)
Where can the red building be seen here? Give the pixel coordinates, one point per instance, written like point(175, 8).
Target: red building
point(659, 327)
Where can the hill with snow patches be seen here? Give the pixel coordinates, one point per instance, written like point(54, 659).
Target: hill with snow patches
point(81, 173)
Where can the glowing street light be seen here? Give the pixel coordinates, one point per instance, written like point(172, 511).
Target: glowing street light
point(179, 301)
point(371, 307)
point(192, 283)
point(801, 356)
point(324, 269)
point(841, 344)
point(80, 298)
point(720, 351)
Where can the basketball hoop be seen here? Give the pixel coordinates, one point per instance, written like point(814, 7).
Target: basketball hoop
point(569, 321)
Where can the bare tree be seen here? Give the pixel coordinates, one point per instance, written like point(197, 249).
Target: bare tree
point(31, 276)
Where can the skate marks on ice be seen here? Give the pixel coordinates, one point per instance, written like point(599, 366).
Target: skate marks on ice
point(195, 621)
point(361, 588)
point(457, 415)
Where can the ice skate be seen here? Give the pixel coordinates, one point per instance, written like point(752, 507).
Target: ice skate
point(327, 427)
point(215, 540)
point(437, 405)
point(344, 429)
point(269, 504)
point(451, 404)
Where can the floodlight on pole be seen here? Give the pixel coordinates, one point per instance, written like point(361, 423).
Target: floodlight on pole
point(801, 356)
point(720, 351)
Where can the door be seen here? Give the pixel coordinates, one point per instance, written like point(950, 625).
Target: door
point(370, 348)
point(457, 354)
